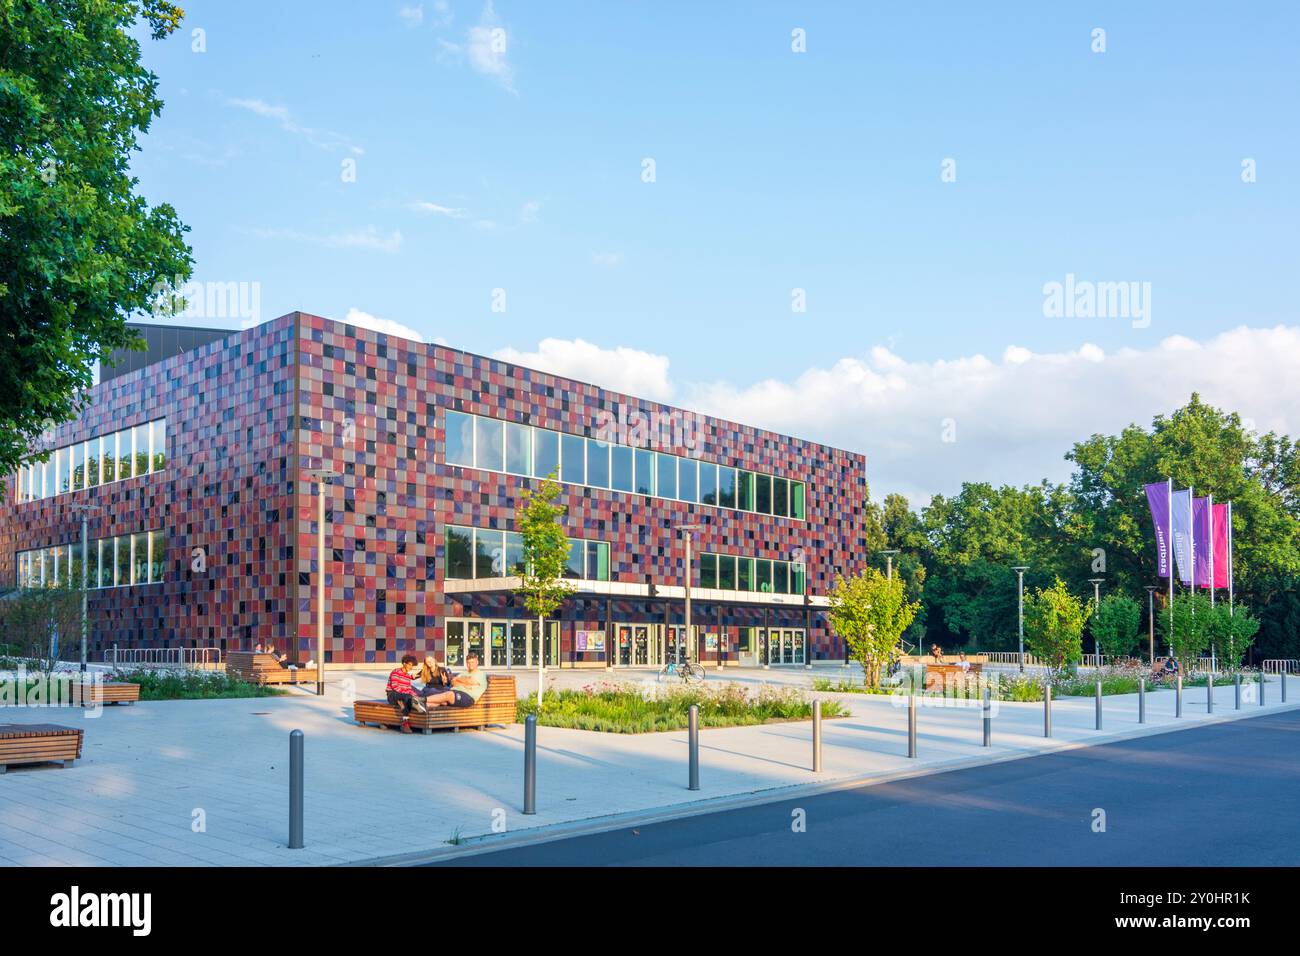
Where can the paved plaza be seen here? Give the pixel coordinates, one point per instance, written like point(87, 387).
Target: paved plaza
point(206, 782)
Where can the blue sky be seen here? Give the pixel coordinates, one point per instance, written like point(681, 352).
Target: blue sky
point(480, 169)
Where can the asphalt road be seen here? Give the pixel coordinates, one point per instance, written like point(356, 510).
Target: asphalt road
point(1224, 795)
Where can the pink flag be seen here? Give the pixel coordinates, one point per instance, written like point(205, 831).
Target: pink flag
point(1201, 537)
point(1221, 566)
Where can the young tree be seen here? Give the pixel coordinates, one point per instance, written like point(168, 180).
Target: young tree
point(1115, 625)
point(546, 553)
point(41, 623)
point(82, 251)
point(1193, 624)
point(870, 613)
point(1054, 620)
point(1232, 634)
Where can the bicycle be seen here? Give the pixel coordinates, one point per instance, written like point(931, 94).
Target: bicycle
point(687, 671)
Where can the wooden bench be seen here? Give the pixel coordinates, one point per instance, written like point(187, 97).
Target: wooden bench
point(263, 668)
point(939, 676)
point(109, 692)
point(38, 743)
point(496, 706)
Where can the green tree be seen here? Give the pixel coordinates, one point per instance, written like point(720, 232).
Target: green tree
point(1193, 622)
point(546, 553)
point(79, 249)
point(870, 612)
point(1054, 620)
point(1115, 625)
point(1231, 633)
point(43, 624)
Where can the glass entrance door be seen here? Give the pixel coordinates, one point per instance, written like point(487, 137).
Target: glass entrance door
point(519, 643)
point(552, 643)
point(784, 645)
point(641, 645)
point(497, 630)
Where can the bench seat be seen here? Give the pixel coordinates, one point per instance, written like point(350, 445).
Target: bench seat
point(262, 668)
point(38, 743)
point(496, 706)
point(109, 692)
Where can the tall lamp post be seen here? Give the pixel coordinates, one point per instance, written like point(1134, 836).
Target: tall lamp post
point(1020, 570)
point(688, 529)
point(1096, 605)
point(84, 510)
point(889, 562)
point(322, 477)
point(1151, 622)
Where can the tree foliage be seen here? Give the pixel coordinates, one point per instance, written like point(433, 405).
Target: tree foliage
point(870, 612)
point(1115, 624)
point(1054, 619)
point(80, 250)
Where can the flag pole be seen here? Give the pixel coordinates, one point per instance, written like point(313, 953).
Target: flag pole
point(1230, 557)
point(1170, 545)
point(1209, 503)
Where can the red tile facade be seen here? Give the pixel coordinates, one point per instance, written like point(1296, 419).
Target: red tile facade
point(370, 406)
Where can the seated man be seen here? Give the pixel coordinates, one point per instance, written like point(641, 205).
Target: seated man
point(400, 693)
point(963, 663)
point(464, 690)
point(1170, 668)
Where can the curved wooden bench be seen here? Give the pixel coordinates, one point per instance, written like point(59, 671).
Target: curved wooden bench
point(265, 669)
point(38, 743)
point(496, 706)
point(109, 692)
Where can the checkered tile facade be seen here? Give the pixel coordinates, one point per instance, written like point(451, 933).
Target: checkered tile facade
point(246, 416)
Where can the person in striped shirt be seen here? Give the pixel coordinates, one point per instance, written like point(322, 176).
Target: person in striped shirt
point(401, 694)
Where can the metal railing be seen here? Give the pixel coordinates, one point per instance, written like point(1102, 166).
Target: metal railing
point(193, 658)
point(1281, 665)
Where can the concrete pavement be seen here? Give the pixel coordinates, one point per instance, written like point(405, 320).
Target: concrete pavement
point(206, 782)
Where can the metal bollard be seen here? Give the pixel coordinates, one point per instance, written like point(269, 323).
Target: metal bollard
point(530, 764)
point(817, 736)
point(1284, 684)
point(1047, 710)
point(911, 725)
point(1261, 687)
point(694, 783)
point(988, 719)
point(295, 790)
point(1178, 697)
point(1142, 700)
point(1209, 692)
point(1236, 691)
point(1099, 705)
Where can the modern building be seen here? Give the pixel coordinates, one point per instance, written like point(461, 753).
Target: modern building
point(195, 474)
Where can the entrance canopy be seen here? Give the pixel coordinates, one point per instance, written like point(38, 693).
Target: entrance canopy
point(623, 589)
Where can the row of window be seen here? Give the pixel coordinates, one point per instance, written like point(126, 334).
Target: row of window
point(108, 563)
point(100, 461)
point(485, 553)
point(730, 573)
point(514, 449)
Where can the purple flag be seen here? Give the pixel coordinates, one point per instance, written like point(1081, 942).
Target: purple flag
point(1158, 499)
point(1204, 541)
point(1182, 533)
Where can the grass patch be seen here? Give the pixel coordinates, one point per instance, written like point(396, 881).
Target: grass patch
point(160, 684)
point(632, 709)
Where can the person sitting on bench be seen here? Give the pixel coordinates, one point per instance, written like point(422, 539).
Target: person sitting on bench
point(464, 690)
point(400, 693)
point(1170, 668)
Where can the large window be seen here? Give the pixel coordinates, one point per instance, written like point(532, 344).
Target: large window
point(732, 573)
point(100, 461)
point(492, 553)
point(493, 445)
point(108, 562)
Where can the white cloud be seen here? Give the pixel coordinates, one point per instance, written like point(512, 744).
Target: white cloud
point(1013, 419)
point(636, 373)
point(320, 138)
point(412, 16)
point(606, 260)
point(487, 47)
point(435, 209)
point(530, 210)
point(388, 327)
point(366, 238)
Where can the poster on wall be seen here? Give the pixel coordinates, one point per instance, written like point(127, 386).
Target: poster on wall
point(591, 641)
point(710, 642)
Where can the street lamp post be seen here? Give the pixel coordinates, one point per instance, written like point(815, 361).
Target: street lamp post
point(889, 562)
point(1151, 622)
point(322, 477)
point(688, 529)
point(1020, 610)
point(1096, 605)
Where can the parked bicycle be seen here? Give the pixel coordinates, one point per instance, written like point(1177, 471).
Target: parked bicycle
point(686, 671)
